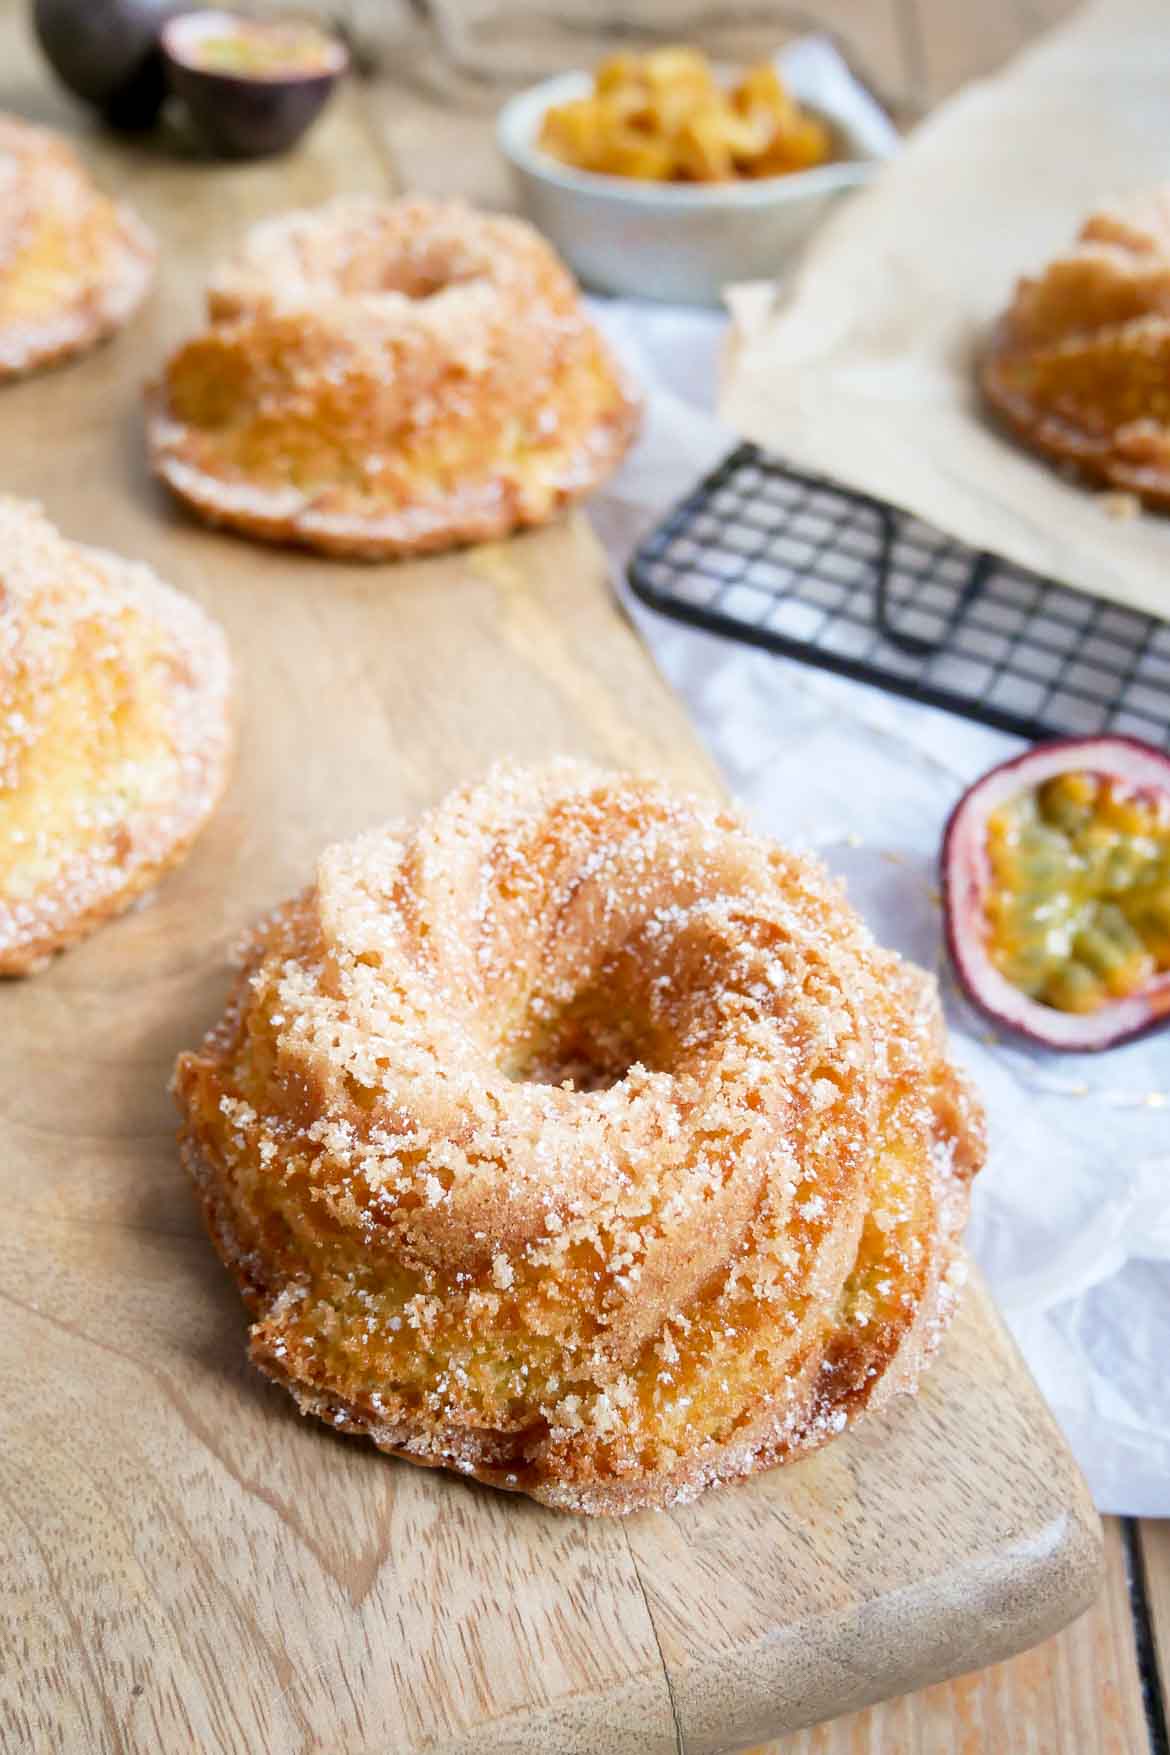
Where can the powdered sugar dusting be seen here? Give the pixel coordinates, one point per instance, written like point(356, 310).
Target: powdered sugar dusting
point(615, 1158)
point(114, 733)
point(61, 299)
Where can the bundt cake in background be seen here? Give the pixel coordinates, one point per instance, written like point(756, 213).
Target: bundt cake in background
point(74, 265)
point(1079, 365)
point(381, 378)
point(116, 734)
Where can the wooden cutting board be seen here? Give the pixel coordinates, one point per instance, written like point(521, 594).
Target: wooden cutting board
point(188, 1565)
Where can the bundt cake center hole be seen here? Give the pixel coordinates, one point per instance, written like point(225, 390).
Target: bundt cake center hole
point(560, 1064)
point(422, 279)
point(591, 1044)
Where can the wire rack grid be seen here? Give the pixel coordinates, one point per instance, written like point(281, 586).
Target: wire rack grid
point(794, 563)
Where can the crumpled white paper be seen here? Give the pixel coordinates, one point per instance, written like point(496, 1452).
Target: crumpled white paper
point(1071, 1219)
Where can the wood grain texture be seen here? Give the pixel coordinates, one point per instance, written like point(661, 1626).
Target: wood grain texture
point(1154, 1542)
point(807, 1611)
point(1076, 1694)
point(187, 1564)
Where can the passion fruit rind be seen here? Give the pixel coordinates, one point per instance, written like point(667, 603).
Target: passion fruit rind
point(107, 53)
point(1086, 967)
point(251, 86)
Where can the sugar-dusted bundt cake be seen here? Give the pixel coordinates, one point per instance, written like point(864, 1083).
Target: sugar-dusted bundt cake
point(579, 1140)
point(114, 734)
point(381, 378)
point(74, 266)
point(1079, 365)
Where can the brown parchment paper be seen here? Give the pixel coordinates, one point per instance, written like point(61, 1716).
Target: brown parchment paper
point(862, 364)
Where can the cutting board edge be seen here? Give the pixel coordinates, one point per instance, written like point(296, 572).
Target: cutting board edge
point(1025, 1590)
point(930, 1633)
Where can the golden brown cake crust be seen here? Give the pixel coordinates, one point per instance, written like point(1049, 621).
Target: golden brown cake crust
point(1079, 364)
point(74, 266)
point(388, 378)
point(114, 695)
point(582, 1142)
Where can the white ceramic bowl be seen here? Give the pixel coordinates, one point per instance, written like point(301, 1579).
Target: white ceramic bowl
point(678, 242)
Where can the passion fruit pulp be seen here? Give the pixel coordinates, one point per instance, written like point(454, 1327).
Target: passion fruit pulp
point(1056, 886)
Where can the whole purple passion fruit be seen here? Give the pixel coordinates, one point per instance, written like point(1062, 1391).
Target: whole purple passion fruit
point(107, 52)
point(1056, 885)
point(251, 86)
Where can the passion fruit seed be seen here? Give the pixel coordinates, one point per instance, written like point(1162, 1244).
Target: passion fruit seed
point(1068, 800)
point(1078, 908)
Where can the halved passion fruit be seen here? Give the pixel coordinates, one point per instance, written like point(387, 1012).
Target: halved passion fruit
point(107, 52)
point(251, 86)
point(1056, 884)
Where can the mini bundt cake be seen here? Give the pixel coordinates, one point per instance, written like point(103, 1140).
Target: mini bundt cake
point(1079, 366)
point(74, 266)
point(384, 378)
point(114, 734)
point(583, 1142)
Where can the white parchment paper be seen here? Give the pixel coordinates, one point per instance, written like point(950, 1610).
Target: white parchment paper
point(1071, 1219)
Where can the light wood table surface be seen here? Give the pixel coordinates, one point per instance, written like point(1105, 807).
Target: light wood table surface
point(1081, 1692)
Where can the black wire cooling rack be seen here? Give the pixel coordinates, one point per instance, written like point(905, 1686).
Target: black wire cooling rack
point(799, 565)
